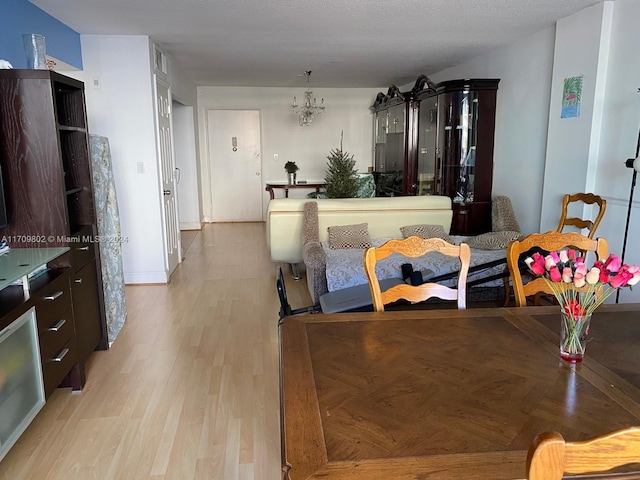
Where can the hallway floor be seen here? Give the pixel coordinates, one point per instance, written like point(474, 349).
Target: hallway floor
point(189, 389)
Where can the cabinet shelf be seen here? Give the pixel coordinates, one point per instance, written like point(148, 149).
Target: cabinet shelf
point(73, 190)
point(67, 128)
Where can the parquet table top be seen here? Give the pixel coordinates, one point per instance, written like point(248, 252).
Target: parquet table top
point(443, 394)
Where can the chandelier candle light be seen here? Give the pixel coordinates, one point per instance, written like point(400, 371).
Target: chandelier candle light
point(309, 108)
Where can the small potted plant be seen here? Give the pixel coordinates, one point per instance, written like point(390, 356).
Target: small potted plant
point(291, 169)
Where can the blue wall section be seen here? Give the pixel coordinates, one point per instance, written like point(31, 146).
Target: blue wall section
point(20, 16)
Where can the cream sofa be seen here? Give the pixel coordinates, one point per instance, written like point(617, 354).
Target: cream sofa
point(384, 215)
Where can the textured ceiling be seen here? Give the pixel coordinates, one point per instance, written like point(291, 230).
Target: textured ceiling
point(345, 43)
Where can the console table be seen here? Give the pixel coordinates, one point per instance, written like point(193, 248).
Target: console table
point(269, 186)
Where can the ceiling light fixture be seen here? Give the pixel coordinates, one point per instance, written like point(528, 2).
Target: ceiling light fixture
point(309, 108)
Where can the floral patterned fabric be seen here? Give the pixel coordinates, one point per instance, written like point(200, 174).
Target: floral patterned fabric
point(108, 224)
point(345, 267)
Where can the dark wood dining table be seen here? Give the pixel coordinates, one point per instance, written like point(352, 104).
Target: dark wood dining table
point(447, 394)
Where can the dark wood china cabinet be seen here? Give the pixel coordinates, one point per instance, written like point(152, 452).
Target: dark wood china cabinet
point(455, 149)
point(445, 145)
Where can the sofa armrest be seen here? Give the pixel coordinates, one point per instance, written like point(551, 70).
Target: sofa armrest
point(315, 261)
point(313, 255)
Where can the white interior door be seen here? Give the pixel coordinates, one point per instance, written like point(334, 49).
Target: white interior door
point(236, 165)
point(167, 171)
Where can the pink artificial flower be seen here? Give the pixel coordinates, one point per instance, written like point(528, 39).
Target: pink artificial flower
point(572, 254)
point(549, 262)
point(564, 256)
point(537, 266)
point(604, 275)
point(635, 271)
point(593, 276)
point(554, 274)
point(620, 279)
point(555, 256)
point(579, 275)
point(613, 263)
point(567, 275)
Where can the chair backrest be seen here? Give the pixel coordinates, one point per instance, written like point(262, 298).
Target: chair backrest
point(549, 241)
point(550, 456)
point(586, 198)
point(416, 247)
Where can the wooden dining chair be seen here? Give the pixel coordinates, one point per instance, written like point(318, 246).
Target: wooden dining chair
point(413, 247)
point(578, 222)
point(549, 456)
point(550, 241)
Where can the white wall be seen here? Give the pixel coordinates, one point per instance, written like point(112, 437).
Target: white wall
point(572, 142)
point(524, 70)
point(619, 134)
point(346, 110)
point(189, 209)
point(122, 109)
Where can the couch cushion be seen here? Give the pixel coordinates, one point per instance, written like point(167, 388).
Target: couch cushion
point(349, 236)
point(493, 240)
point(425, 231)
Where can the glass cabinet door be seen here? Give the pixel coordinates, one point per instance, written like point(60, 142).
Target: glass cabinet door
point(459, 112)
point(394, 161)
point(427, 146)
point(381, 127)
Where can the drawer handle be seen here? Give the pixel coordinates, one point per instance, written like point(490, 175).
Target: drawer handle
point(84, 249)
point(54, 296)
point(61, 355)
point(57, 326)
point(78, 280)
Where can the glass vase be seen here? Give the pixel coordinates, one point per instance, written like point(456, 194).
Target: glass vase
point(573, 337)
point(35, 49)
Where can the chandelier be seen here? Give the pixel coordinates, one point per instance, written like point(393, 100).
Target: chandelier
point(309, 108)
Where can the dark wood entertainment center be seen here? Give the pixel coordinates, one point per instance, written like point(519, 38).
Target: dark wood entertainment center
point(46, 170)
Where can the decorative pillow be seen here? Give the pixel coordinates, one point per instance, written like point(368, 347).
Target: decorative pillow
point(349, 236)
point(493, 240)
point(425, 231)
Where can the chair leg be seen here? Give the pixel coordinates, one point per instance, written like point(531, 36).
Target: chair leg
point(295, 271)
point(507, 291)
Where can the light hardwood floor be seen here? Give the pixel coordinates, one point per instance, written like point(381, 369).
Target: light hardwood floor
point(189, 389)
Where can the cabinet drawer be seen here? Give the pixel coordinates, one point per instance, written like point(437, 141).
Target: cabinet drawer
point(52, 301)
point(56, 335)
point(56, 367)
point(86, 310)
point(82, 252)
